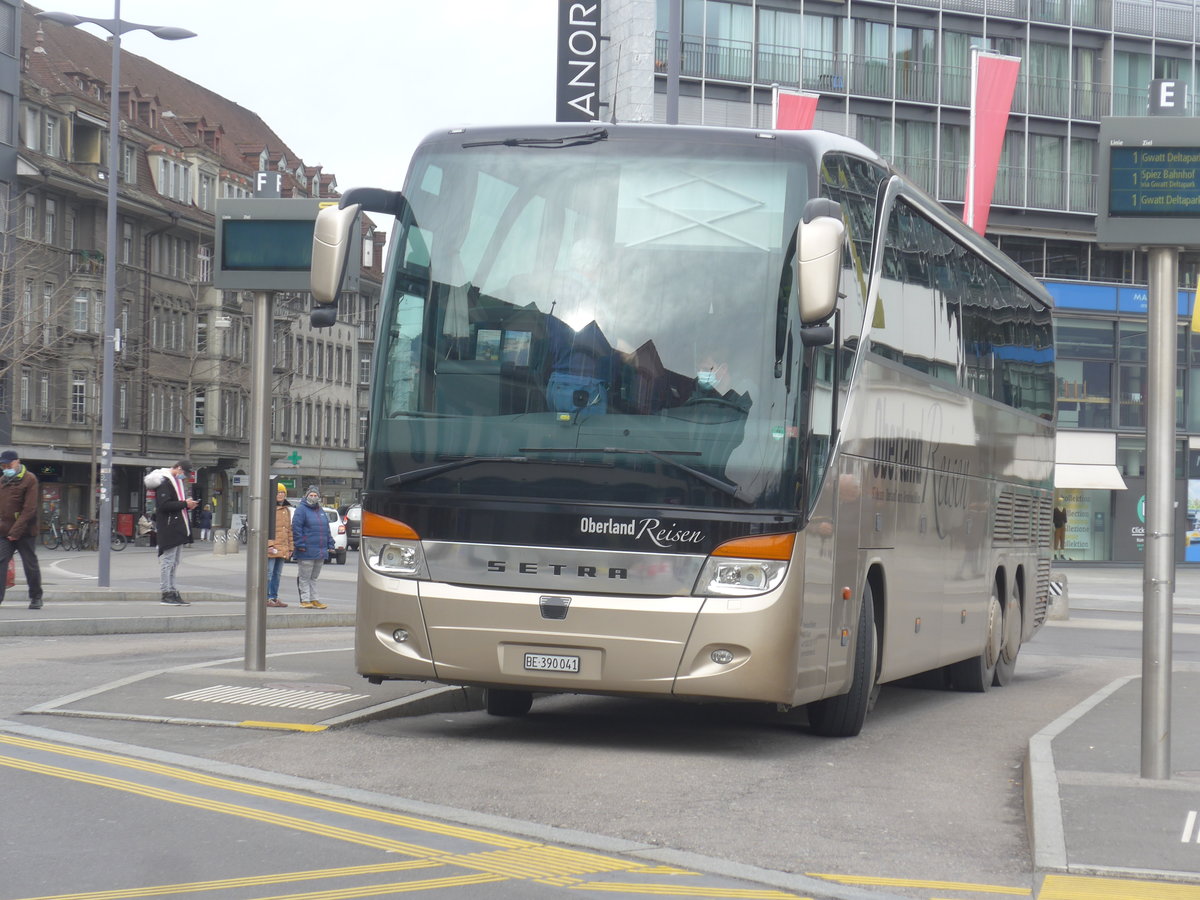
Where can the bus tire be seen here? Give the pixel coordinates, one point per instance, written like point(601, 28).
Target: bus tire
point(843, 715)
point(975, 675)
point(508, 703)
point(1006, 664)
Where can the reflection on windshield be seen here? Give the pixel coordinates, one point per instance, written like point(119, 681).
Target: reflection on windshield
point(630, 316)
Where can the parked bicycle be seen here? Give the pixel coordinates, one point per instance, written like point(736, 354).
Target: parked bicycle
point(70, 536)
point(52, 535)
point(90, 536)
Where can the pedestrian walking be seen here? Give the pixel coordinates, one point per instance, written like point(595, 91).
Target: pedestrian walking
point(19, 524)
point(279, 548)
point(204, 522)
point(172, 521)
point(313, 544)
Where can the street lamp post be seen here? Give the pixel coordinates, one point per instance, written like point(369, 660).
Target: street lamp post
point(116, 28)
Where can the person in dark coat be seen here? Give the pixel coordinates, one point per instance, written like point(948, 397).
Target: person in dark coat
point(313, 542)
point(204, 522)
point(172, 520)
point(19, 524)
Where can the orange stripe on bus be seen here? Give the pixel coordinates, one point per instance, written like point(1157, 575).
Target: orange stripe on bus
point(763, 546)
point(375, 525)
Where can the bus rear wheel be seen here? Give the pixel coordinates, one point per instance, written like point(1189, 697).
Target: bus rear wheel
point(975, 675)
point(1006, 665)
point(843, 716)
point(508, 703)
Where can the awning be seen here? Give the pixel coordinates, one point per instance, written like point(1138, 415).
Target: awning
point(1080, 476)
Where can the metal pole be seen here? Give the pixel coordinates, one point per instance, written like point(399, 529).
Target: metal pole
point(103, 566)
point(260, 502)
point(1158, 580)
point(674, 58)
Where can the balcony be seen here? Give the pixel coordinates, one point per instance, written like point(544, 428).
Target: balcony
point(87, 262)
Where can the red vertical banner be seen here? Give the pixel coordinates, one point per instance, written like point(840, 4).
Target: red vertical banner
point(993, 80)
point(794, 112)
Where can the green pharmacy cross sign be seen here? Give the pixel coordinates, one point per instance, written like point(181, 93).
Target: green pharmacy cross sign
point(294, 458)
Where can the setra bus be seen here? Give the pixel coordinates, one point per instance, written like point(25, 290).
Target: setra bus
point(698, 413)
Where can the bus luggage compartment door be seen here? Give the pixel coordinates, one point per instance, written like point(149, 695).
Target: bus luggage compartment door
point(586, 642)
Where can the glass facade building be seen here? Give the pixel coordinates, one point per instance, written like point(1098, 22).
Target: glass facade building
point(897, 76)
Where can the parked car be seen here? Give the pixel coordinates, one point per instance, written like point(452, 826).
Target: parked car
point(337, 529)
point(353, 520)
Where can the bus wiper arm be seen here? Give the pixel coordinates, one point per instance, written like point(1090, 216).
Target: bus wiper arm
point(430, 471)
point(574, 140)
point(662, 457)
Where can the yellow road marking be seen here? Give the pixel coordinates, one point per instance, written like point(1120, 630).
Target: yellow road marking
point(683, 890)
point(531, 861)
point(247, 881)
point(918, 883)
point(374, 890)
point(286, 726)
point(220, 806)
point(1078, 887)
point(347, 809)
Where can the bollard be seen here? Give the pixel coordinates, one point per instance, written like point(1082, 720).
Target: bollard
point(1060, 607)
point(219, 537)
point(232, 544)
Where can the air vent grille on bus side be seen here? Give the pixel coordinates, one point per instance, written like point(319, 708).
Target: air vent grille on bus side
point(1019, 520)
point(1041, 600)
point(1045, 521)
point(1003, 525)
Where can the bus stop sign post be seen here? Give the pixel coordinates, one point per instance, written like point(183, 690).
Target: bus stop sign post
point(265, 245)
point(1150, 169)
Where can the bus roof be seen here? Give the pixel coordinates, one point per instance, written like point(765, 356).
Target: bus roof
point(817, 143)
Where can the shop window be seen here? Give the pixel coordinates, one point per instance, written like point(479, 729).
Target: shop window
point(1084, 339)
point(1066, 259)
point(1084, 393)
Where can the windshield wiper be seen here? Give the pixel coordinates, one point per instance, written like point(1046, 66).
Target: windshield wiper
point(430, 471)
point(661, 456)
point(422, 414)
point(574, 140)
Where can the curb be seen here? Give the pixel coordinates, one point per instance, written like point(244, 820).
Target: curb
point(1047, 837)
point(177, 623)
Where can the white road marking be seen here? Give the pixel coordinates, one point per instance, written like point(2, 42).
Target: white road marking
point(280, 697)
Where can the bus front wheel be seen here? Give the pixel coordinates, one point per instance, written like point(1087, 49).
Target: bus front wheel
point(508, 703)
point(843, 716)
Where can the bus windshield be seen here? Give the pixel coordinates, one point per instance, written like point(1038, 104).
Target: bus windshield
point(604, 320)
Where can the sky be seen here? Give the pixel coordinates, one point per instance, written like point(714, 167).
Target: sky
point(353, 85)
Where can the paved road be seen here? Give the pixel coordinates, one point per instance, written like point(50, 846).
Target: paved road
point(728, 784)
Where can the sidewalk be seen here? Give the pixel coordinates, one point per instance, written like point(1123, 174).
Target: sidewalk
point(1089, 810)
point(214, 585)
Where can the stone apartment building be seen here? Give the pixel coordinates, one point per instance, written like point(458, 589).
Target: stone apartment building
point(182, 369)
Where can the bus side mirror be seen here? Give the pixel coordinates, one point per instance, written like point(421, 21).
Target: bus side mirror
point(332, 242)
point(819, 240)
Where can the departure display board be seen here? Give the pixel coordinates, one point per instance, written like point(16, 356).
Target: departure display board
point(1148, 176)
point(1154, 181)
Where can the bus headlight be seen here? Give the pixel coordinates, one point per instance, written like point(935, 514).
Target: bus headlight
point(395, 558)
point(732, 577)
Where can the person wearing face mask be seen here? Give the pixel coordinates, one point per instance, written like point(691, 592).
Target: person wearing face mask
point(313, 543)
point(18, 524)
point(172, 523)
point(280, 547)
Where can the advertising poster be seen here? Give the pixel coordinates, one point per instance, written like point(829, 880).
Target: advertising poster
point(1088, 526)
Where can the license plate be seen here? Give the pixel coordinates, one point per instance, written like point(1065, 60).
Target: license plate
point(545, 662)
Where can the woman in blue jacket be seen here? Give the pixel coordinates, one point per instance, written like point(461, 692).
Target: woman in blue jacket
point(313, 543)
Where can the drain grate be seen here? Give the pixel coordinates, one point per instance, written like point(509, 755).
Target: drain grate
point(260, 696)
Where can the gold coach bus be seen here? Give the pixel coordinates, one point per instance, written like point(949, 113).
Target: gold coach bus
point(709, 414)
